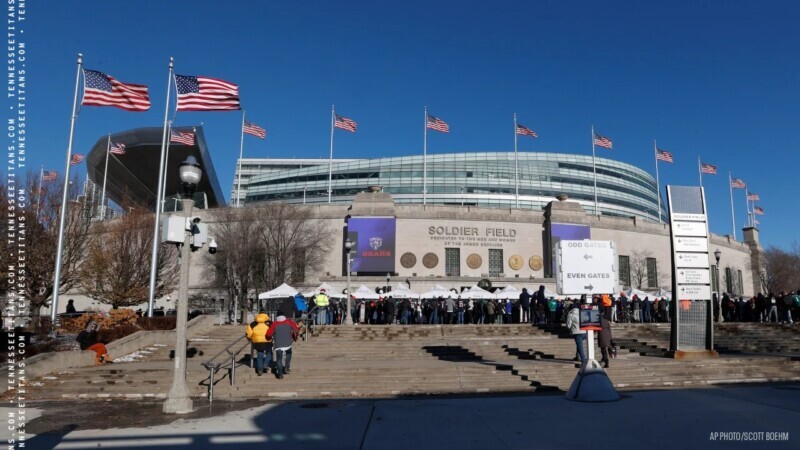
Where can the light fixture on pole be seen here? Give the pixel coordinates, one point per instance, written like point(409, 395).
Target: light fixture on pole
point(178, 400)
point(717, 255)
point(348, 245)
point(388, 280)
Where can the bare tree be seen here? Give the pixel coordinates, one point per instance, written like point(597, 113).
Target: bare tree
point(640, 278)
point(781, 271)
point(116, 270)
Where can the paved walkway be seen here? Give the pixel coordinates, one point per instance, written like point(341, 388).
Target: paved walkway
point(765, 417)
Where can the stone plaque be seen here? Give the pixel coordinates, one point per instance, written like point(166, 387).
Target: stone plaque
point(408, 260)
point(430, 260)
point(474, 261)
point(536, 263)
point(516, 262)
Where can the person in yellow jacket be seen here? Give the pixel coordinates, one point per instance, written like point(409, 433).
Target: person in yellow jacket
point(257, 334)
point(321, 301)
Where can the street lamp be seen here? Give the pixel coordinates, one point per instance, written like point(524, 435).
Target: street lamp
point(462, 195)
point(348, 245)
point(304, 195)
point(388, 280)
point(717, 255)
point(178, 400)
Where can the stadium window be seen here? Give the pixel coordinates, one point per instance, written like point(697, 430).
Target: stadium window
point(624, 270)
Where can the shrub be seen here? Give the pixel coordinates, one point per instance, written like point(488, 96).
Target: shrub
point(157, 323)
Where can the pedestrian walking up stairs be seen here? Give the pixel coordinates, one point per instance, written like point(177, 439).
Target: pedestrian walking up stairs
point(391, 361)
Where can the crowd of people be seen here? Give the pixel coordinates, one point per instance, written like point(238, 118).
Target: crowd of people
point(783, 308)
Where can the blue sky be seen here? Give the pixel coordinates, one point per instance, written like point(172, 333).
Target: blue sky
point(715, 78)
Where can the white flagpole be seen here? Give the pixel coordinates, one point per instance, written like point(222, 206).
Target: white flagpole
point(594, 170)
point(105, 177)
point(330, 160)
point(658, 183)
point(239, 169)
point(39, 192)
point(700, 170)
point(425, 159)
point(747, 207)
point(166, 167)
point(733, 220)
point(516, 163)
point(63, 214)
point(156, 240)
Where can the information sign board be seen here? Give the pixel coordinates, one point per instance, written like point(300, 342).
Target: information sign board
point(585, 267)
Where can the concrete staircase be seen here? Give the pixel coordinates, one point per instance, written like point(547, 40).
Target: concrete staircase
point(390, 361)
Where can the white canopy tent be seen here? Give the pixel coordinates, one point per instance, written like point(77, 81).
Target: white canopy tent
point(508, 293)
point(437, 291)
point(330, 291)
point(477, 293)
point(662, 293)
point(282, 291)
point(402, 291)
point(365, 293)
point(630, 292)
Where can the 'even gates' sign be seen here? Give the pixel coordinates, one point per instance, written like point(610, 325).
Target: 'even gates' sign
point(586, 267)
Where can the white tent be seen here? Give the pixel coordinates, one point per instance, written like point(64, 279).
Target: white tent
point(476, 293)
point(402, 291)
point(330, 291)
point(661, 293)
point(437, 291)
point(364, 292)
point(630, 292)
point(281, 291)
point(548, 293)
point(508, 292)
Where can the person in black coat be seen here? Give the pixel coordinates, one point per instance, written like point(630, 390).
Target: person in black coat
point(525, 304)
point(288, 308)
point(604, 337)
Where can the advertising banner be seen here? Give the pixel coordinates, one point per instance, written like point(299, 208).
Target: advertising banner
point(374, 239)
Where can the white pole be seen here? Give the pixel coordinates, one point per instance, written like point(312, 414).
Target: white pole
point(516, 164)
point(747, 207)
point(425, 159)
point(154, 255)
point(39, 192)
point(63, 215)
point(239, 169)
point(733, 220)
point(330, 160)
point(658, 183)
point(105, 177)
point(166, 167)
point(700, 170)
point(304, 195)
point(594, 170)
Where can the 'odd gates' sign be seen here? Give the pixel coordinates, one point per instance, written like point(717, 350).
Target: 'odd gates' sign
point(586, 267)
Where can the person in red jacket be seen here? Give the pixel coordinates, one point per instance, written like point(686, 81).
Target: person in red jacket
point(283, 333)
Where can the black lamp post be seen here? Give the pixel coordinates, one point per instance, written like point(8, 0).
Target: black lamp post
point(717, 255)
point(348, 246)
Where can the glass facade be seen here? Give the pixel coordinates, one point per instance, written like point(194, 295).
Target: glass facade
point(482, 179)
point(452, 262)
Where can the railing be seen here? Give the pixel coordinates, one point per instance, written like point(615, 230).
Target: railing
point(213, 365)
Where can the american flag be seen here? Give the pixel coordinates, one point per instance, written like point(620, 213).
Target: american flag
point(758, 210)
point(77, 158)
point(603, 141)
point(345, 123)
point(708, 168)
point(755, 222)
point(525, 131)
point(255, 130)
point(181, 137)
point(100, 89)
point(663, 155)
point(206, 94)
point(117, 149)
point(437, 124)
point(752, 196)
point(736, 183)
point(49, 175)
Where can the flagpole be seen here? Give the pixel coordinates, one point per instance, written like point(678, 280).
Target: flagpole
point(733, 220)
point(166, 167)
point(658, 183)
point(239, 169)
point(63, 214)
point(594, 170)
point(425, 159)
point(747, 206)
point(39, 192)
point(330, 160)
point(516, 163)
point(156, 240)
point(700, 170)
point(105, 177)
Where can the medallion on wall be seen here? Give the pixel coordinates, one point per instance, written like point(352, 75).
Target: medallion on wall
point(516, 262)
point(408, 260)
point(474, 261)
point(430, 260)
point(536, 262)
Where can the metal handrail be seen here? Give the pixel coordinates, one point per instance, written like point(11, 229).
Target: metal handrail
point(213, 366)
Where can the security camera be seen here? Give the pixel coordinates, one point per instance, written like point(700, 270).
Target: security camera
point(212, 246)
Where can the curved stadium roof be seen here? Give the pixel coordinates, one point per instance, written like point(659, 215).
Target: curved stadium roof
point(481, 178)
